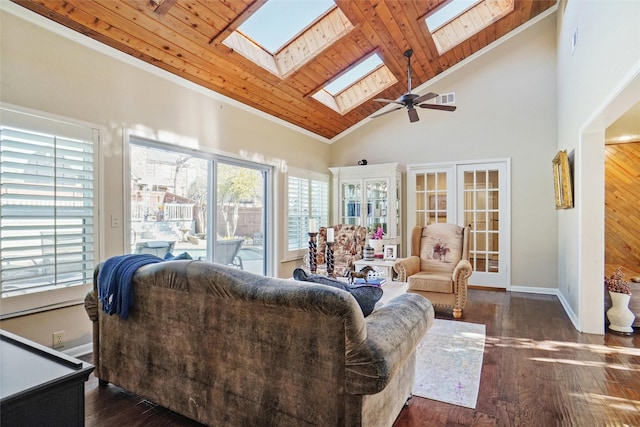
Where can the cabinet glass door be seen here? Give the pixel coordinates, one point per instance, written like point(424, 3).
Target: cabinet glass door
point(377, 199)
point(351, 193)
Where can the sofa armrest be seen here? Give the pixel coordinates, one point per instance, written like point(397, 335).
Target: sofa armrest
point(393, 332)
point(460, 278)
point(91, 305)
point(406, 267)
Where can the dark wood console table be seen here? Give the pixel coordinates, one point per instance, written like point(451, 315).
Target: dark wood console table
point(40, 386)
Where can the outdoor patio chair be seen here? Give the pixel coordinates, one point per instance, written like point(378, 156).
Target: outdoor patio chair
point(226, 253)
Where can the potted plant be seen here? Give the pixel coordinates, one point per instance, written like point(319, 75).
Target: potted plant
point(619, 315)
point(375, 240)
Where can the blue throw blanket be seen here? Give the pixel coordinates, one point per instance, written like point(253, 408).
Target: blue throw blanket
point(115, 290)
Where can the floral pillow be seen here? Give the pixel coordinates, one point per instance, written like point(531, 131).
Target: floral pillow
point(441, 247)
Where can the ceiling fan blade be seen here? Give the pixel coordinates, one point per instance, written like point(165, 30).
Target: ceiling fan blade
point(413, 115)
point(390, 101)
point(425, 97)
point(438, 107)
point(386, 112)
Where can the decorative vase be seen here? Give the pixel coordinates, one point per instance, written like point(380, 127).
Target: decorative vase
point(619, 315)
point(377, 245)
point(368, 253)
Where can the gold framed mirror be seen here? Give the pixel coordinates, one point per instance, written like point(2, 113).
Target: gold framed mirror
point(562, 180)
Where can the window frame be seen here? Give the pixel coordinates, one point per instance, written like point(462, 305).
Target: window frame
point(39, 121)
point(323, 220)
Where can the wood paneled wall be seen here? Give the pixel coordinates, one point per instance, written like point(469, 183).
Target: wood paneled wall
point(622, 208)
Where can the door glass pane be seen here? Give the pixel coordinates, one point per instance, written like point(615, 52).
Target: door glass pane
point(493, 221)
point(493, 242)
point(481, 179)
point(431, 181)
point(493, 182)
point(481, 221)
point(421, 201)
point(239, 240)
point(493, 202)
point(168, 202)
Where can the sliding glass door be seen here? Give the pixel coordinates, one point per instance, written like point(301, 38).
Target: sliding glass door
point(192, 204)
point(240, 216)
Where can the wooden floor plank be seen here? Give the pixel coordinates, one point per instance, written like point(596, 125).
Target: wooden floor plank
point(537, 371)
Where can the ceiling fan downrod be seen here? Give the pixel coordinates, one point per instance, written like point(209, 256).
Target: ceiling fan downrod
point(408, 54)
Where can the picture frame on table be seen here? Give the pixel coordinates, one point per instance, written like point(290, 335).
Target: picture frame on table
point(390, 251)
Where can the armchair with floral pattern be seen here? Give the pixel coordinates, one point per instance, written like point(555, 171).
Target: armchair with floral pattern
point(349, 242)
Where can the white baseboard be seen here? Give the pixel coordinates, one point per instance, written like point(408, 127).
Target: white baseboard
point(534, 290)
point(80, 350)
point(567, 308)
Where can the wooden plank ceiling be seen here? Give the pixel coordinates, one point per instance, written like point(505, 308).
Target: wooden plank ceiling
point(185, 37)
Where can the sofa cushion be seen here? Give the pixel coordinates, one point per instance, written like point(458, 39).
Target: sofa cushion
point(170, 257)
point(366, 295)
point(431, 283)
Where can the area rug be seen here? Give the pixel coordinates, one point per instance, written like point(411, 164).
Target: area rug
point(449, 362)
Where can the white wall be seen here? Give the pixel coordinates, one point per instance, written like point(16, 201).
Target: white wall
point(506, 102)
point(52, 73)
point(596, 83)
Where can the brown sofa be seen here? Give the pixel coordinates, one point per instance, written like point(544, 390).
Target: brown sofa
point(228, 347)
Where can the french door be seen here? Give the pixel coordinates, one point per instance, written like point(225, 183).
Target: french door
point(482, 204)
point(473, 194)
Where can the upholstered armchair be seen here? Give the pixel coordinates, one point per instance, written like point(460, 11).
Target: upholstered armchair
point(438, 267)
point(349, 242)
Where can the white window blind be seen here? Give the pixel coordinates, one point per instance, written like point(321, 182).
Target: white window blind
point(46, 210)
point(307, 197)
point(298, 218)
point(319, 200)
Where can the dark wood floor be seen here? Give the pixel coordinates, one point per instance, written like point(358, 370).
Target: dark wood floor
point(537, 371)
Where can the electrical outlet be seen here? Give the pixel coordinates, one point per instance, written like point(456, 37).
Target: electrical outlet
point(58, 339)
point(115, 221)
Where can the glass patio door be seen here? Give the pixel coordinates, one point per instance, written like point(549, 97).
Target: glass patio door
point(240, 217)
point(209, 207)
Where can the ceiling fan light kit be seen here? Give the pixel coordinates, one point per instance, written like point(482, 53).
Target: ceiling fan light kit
point(411, 100)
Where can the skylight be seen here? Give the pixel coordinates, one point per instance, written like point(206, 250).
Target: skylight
point(449, 11)
point(460, 19)
point(278, 21)
point(354, 74)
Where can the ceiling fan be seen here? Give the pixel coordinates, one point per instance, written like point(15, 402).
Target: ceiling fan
point(411, 100)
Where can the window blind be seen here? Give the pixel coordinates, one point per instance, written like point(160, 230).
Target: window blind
point(308, 197)
point(46, 211)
